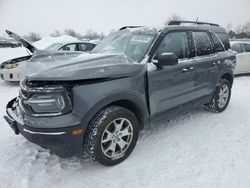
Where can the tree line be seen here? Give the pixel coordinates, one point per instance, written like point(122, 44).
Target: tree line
point(240, 31)
point(89, 35)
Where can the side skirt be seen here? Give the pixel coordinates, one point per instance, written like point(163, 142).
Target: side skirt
point(176, 111)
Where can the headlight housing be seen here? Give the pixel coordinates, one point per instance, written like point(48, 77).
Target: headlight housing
point(13, 63)
point(45, 101)
point(10, 66)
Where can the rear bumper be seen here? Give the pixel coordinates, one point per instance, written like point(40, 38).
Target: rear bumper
point(60, 141)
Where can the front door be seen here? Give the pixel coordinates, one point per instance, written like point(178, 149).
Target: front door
point(171, 86)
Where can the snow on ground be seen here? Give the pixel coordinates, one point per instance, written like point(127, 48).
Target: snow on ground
point(199, 149)
point(46, 41)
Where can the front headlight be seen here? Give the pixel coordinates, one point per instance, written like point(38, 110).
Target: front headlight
point(53, 103)
point(10, 66)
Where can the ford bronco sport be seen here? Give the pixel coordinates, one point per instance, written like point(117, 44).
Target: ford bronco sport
point(98, 102)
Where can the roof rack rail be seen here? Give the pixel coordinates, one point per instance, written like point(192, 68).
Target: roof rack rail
point(126, 27)
point(193, 22)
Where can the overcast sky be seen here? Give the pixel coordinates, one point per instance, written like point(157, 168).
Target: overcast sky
point(45, 16)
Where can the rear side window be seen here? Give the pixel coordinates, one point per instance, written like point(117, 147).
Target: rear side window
point(224, 39)
point(176, 43)
point(86, 47)
point(217, 43)
point(237, 47)
point(247, 47)
point(203, 44)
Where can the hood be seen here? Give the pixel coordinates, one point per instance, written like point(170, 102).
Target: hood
point(14, 61)
point(73, 67)
point(24, 42)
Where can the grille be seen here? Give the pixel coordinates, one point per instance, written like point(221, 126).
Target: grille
point(24, 94)
point(25, 107)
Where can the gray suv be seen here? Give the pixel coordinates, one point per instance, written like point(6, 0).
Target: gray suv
point(98, 102)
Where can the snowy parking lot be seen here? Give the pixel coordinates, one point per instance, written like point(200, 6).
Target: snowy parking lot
point(198, 149)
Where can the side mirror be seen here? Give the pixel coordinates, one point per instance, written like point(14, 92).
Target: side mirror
point(167, 59)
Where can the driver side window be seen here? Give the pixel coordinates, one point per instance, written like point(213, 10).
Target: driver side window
point(176, 43)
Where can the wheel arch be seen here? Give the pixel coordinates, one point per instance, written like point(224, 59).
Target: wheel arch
point(228, 76)
point(131, 102)
point(130, 105)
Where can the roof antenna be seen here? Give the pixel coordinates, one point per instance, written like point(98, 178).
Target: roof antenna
point(197, 20)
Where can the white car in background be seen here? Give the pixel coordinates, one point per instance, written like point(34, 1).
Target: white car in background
point(71, 46)
point(243, 56)
point(16, 69)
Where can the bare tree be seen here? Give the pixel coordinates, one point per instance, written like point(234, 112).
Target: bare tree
point(238, 29)
point(90, 34)
point(101, 35)
point(32, 36)
point(71, 32)
point(246, 28)
point(229, 27)
point(56, 33)
point(173, 17)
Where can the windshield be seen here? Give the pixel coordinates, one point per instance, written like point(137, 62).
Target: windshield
point(54, 46)
point(133, 43)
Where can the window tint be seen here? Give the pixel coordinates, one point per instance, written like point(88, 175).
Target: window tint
point(202, 43)
point(217, 43)
point(224, 39)
point(69, 47)
point(247, 47)
point(237, 47)
point(85, 47)
point(176, 43)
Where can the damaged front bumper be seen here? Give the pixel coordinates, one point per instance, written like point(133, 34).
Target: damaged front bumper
point(60, 141)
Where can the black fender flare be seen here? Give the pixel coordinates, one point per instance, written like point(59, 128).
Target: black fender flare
point(227, 72)
point(139, 102)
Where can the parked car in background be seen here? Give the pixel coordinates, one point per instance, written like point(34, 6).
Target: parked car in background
point(136, 76)
point(243, 56)
point(9, 44)
point(16, 69)
point(71, 46)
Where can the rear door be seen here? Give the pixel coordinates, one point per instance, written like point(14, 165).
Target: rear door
point(171, 86)
point(246, 57)
point(242, 57)
point(85, 47)
point(206, 66)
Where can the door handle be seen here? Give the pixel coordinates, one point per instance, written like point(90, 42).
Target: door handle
point(216, 63)
point(191, 68)
point(186, 70)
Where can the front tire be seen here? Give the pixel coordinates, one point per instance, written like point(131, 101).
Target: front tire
point(221, 96)
point(111, 135)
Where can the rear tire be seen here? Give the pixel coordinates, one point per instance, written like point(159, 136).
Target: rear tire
point(221, 96)
point(111, 135)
